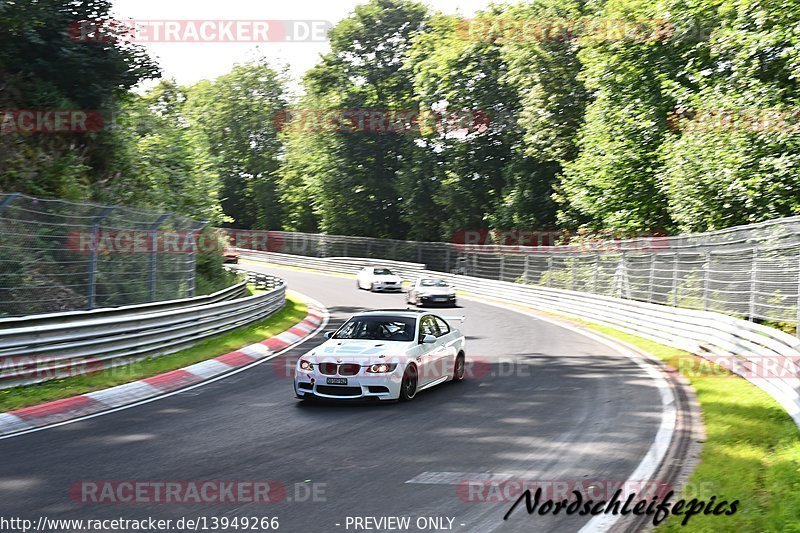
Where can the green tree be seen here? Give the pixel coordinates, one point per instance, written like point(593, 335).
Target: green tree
point(355, 184)
point(237, 113)
point(485, 177)
point(168, 164)
point(734, 154)
point(43, 67)
point(613, 181)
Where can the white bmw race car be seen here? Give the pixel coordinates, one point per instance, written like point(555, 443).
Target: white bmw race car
point(382, 355)
point(379, 279)
point(427, 291)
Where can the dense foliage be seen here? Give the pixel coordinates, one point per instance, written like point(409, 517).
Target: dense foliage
point(613, 115)
point(621, 115)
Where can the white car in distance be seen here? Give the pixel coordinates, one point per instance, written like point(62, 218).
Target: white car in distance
point(379, 279)
point(382, 355)
point(427, 291)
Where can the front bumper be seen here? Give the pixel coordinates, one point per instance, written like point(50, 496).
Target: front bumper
point(382, 287)
point(437, 299)
point(362, 386)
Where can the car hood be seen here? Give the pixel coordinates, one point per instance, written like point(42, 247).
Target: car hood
point(436, 291)
point(393, 278)
point(357, 351)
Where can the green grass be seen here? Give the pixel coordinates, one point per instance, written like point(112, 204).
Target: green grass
point(751, 452)
point(15, 398)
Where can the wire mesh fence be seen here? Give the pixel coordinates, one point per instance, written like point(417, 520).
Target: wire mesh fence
point(61, 256)
point(748, 271)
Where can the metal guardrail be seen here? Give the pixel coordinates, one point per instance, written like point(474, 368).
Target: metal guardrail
point(230, 293)
point(57, 346)
point(335, 265)
point(750, 271)
point(766, 357)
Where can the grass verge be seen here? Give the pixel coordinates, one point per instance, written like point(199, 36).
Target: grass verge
point(751, 452)
point(17, 397)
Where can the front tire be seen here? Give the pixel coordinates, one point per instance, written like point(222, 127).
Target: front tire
point(408, 387)
point(459, 368)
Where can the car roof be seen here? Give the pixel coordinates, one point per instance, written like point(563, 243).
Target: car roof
point(408, 313)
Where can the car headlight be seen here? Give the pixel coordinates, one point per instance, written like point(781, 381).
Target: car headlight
point(381, 368)
point(305, 365)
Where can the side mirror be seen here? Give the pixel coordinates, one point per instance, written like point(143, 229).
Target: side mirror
point(428, 339)
point(329, 334)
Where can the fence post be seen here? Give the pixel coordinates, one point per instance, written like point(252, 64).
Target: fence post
point(651, 281)
point(7, 200)
point(675, 280)
point(753, 283)
point(549, 270)
point(596, 276)
point(706, 280)
point(151, 270)
point(525, 269)
point(92, 289)
point(502, 266)
point(572, 273)
point(193, 263)
point(622, 288)
point(797, 323)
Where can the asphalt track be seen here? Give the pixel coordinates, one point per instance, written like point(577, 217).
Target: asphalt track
point(547, 405)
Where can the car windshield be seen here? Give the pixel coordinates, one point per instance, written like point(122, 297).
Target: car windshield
point(378, 328)
point(383, 272)
point(433, 283)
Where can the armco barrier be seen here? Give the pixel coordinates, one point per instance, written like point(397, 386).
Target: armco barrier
point(58, 345)
point(232, 292)
point(335, 265)
point(771, 356)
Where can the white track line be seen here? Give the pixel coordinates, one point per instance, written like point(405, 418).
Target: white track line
point(658, 449)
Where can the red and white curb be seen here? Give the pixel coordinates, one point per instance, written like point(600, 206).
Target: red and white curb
point(59, 411)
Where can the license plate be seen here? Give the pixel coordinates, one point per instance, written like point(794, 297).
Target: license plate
point(336, 381)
